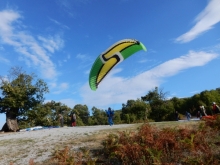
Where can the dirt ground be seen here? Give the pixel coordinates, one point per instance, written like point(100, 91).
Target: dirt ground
point(39, 145)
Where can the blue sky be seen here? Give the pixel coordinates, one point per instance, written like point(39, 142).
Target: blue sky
point(59, 41)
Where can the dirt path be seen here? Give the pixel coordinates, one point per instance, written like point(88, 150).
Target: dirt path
point(20, 147)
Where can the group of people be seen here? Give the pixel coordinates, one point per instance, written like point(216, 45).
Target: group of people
point(73, 119)
point(215, 109)
point(201, 112)
point(109, 113)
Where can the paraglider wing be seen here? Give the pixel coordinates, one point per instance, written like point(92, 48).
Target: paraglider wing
point(110, 58)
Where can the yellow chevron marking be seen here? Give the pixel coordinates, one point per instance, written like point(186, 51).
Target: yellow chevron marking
point(106, 68)
point(117, 48)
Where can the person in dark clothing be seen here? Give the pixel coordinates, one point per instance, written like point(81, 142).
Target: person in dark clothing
point(110, 114)
point(176, 116)
point(215, 108)
point(199, 115)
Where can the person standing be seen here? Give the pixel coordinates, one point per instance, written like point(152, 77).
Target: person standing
point(199, 115)
point(61, 120)
point(73, 119)
point(176, 115)
point(215, 108)
point(110, 115)
point(203, 110)
point(188, 116)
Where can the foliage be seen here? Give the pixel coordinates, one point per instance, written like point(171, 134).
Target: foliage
point(82, 113)
point(192, 104)
point(117, 117)
point(98, 117)
point(46, 115)
point(56, 108)
point(150, 145)
point(134, 110)
point(161, 109)
point(23, 96)
point(21, 92)
point(167, 146)
point(39, 115)
point(127, 118)
point(68, 157)
point(31, 162)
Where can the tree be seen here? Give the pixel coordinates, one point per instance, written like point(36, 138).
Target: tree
point(20, 93)
point(134, 110)
point(82, 114)
point(98, 117)
point(38, 116)
point(117, 117)
point(161, 108)
point(54, 109)
point(179, 104)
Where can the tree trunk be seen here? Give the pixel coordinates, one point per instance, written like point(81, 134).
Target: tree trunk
point(11, 124)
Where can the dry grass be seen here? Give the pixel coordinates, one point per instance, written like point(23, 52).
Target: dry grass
point(189, 143)
point(20, 150)
point(176, 124)
point(94, 141)
point(91, 141)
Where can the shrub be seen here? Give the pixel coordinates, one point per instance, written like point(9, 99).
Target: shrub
point(162, 146)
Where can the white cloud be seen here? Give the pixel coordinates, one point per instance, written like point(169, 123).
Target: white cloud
point(192, 59)
point(204, 22)
point(58, 23)
point(81, 57)
point(52, 85)
point(33, 53)
point(143, 61)
point(52, 43)
point(117, 90)
point(7, 18)
point(194, 92)
point(69, 102)
point(62, 87)
point(5, 78)
point(85, 60)
point(4, 60)
point(60, 63)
